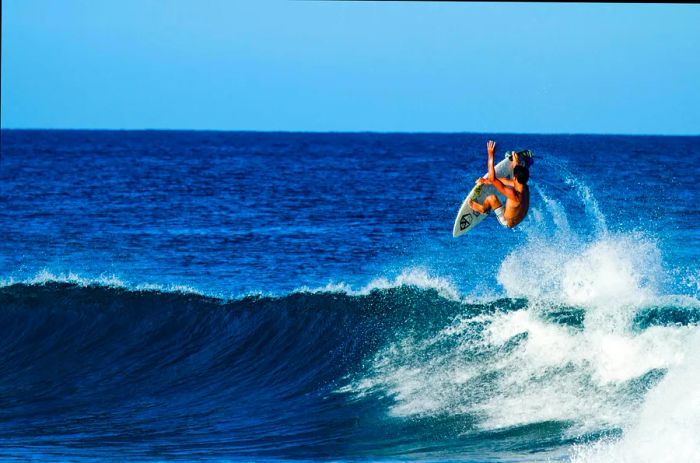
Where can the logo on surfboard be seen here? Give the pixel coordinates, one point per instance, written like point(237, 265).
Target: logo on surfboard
point(466, 219)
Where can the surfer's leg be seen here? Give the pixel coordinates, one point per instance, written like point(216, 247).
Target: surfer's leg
point(493, 202)
point(490, 203)
point(482, 209)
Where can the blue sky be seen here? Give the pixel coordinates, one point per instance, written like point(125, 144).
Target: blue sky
point(356, 66)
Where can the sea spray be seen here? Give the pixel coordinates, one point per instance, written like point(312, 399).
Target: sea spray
point(590, 203)
point(518, 366)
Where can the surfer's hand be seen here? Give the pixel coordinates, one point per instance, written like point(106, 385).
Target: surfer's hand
point(516, 159)
point(491, 147)
point(482, 181)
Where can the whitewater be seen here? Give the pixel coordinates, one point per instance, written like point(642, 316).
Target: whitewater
point(596, 344)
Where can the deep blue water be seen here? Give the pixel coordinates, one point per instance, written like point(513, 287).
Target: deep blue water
point(260, 296)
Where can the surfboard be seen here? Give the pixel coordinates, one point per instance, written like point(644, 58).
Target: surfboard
point(467, 218)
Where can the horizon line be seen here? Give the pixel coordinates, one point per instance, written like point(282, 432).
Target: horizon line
point(378, 132)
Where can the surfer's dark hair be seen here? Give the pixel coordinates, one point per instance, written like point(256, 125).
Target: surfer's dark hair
point(522, 174)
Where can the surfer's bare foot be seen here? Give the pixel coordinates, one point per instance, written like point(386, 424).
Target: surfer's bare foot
point(475, 206)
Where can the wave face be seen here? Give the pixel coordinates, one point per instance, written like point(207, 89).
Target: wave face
point(89, 371)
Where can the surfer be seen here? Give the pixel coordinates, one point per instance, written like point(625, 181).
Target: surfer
point(516, 192)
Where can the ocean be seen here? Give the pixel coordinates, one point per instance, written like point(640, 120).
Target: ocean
point(254, 296)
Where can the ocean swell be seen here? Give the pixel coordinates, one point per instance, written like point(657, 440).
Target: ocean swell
point(386, 371)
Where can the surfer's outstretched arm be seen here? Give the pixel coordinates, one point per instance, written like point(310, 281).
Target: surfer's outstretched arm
point(491, 148)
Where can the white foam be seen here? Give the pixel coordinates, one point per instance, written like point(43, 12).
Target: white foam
point(611, 276)
point(418, 277)
point(668, 426)
point(45, 276)
point(514, 368)
point(555, 373)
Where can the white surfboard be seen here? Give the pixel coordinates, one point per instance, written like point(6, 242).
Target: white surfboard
point(467, 218)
